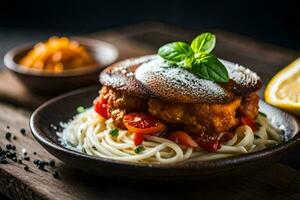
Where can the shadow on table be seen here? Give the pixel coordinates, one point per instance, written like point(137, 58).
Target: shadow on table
point(277, 182)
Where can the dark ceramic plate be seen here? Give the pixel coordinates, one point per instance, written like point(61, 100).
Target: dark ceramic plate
point(63, 108)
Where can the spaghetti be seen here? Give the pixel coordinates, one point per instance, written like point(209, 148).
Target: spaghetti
point(90, 133)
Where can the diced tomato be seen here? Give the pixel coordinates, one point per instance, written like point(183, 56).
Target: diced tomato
point(210, 145)
point(248, 122)
point(138, 138)
point(181, 137)
point(101, 107)
point(209, 142)
point(142, 123)
point(213, 142)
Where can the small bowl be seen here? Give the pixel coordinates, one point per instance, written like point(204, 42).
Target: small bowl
point(46, 121)
point(51, 83)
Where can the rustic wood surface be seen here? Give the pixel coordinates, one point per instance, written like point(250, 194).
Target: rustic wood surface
point(277, 182)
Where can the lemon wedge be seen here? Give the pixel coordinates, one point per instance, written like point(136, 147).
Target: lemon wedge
point(283, 90)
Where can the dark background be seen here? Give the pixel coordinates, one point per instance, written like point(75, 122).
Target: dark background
point(270, 21)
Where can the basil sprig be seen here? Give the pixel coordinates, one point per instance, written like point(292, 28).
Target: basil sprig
point(177, 53)
point(196, 57)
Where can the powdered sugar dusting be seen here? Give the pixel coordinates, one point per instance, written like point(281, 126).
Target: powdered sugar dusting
point(125, 68)
point(170, 82)
point(126, 64)
point(240, 74)
point(150, 76)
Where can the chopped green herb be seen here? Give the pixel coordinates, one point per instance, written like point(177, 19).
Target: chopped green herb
point(139, 149)
point(114, 132)
point(263, 114)
point(80, 109)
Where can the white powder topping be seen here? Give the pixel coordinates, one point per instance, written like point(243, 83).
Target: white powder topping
point(175, 83)
point(240, 74)
point(170, 82)
point(124, 65)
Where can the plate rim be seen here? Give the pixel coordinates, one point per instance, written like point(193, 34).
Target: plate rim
point(209, 164)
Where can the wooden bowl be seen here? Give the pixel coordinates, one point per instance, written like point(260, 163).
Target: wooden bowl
point(61, 109)
point(50, 83)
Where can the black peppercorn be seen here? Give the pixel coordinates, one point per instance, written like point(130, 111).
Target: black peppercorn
point(42, 164)
point(26, 167)
point(41, 167)
point(7, 135)
point(13, 147)
point(3, 161)
point(34, 153)
point(14, 137)
point(23, 131)
point(27, 158)
point(9, 155)
point(36, 161)
point(8, 146)
point(52, 163)
point(55, 174)
point(3, 152)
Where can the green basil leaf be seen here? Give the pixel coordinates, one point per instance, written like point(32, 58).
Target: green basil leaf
point(176, 52)
point(204, 43)
point(209, 67)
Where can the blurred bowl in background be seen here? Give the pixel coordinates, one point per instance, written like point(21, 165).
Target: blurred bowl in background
point(52, 83)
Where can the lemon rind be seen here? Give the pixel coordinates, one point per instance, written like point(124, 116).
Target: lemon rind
point(282, 75)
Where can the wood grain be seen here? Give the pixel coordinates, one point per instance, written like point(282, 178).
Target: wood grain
point(276, 182)
point(11, 90)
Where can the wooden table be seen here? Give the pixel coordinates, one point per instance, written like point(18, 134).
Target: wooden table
point(279, 181)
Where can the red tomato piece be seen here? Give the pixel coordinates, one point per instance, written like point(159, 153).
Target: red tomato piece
point(209, 142)
point(248, 122)
point(213, 142)
point(210, 145)
point(138, 139)
point(181, 137)
point(142, 123)
point(101, 107)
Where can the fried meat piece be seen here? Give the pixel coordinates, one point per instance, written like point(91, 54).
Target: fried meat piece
point(120, 103)
point(249, 106)
point(195, 118)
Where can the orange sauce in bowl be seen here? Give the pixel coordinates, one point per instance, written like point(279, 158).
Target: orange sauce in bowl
point(56, 55)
